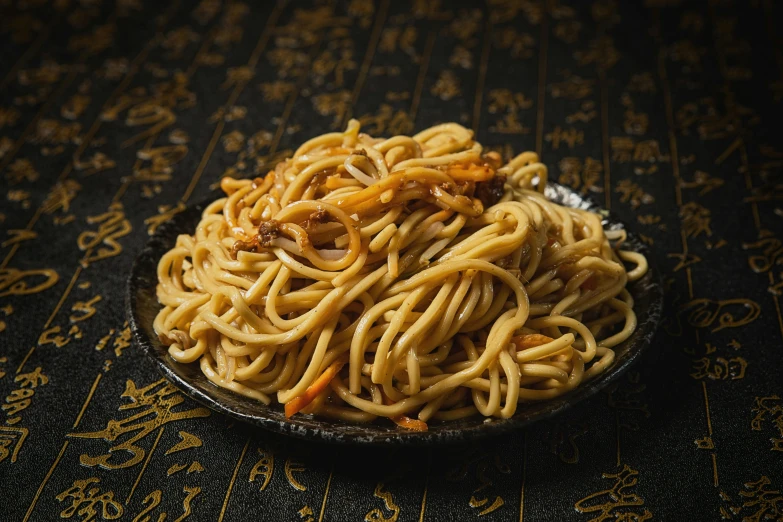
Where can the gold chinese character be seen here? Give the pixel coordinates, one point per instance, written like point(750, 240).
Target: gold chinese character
point(264, 467)
point(61, 196)
point(84, 309)
point(769, 408)
point(112, 226)
point(447, 86)
point(177, 40)
point(617, 501)
point(25, 282)
point(88, 501)
point(582, 176)
point(631, 192)
point(601, 52)
point(569, 136)
point(75, 106)
point(8, 116)
point(165, 213)
point(695, 219)
point(521, 45)
point(95, 164)
point(276, 91)
point(155, 407)
point(11, 440)
point(760, 501)
point(335, 103)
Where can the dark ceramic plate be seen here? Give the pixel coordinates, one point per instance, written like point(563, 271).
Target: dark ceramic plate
point(142, 306)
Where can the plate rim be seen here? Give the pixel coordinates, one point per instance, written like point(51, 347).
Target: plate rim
point(320, 430)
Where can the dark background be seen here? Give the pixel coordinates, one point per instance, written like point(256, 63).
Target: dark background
point(114, 115)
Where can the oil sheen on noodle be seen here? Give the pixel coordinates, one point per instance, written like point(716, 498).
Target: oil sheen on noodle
point(412, 278)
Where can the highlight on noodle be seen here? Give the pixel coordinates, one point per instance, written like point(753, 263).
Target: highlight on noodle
point(414, 278)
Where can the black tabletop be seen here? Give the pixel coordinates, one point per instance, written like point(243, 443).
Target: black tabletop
point(116, 115)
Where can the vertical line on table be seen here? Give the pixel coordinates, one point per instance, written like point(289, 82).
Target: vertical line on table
point(21, 364)
point(770, 15)
point(707, 408)
point(754, 206)
point(43, 483)
point(426, 486)
point(233, 480)
point(205, 157)
point(87, 400)
point(772, 35)
point(174, 6)
point(617, 433)
point(271, 23)
point(126, 184)
point(15, 246)
point(729, 150)
point(375, 36)
point(289, 105)
point(709, 432)
point(196, 63)
point(714, 470)
point(63, 297)
point(482, 77)
point(254, 57)
point(144, 466)
point(524, 477)
point(673, 151)
point(42, 37)
point(424, 65)
point(326, 494)
point(605, 139)
point(543, 49)
point(777, 303)
point(191, 70)
point(667, 99)
point(739, 142)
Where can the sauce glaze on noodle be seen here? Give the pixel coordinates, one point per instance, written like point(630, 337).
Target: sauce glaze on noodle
point(413, 278)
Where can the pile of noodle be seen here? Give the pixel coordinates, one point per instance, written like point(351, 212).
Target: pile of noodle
point(413, 278)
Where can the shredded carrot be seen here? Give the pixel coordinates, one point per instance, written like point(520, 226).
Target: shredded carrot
point(471, 172)
point(526, 341)
point(410, 424)
point(403, 421)
point(315, 389)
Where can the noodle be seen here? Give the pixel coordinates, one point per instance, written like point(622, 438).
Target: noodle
point(413, 278)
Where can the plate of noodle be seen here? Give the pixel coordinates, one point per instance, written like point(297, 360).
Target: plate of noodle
point(409, 289)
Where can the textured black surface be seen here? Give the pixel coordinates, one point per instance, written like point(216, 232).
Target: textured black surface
point(666, 112)
point(142, 307)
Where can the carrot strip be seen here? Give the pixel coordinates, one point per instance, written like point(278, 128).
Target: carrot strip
point(526, 341)
point(470, 172)
point(410, 424)
point(315, 389)
point(403, 421)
